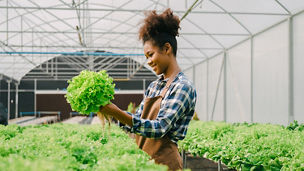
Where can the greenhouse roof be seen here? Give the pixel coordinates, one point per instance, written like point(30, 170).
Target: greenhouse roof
point(35, 31)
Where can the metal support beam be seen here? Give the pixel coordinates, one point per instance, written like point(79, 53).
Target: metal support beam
point(217, 88)
point(76, 54)
point(8, 99)
point(72, 47)
point(193, 75)
point(7, 22)
point(75, 68)
point(106, 64)
point(251, 80)
point(291, 73)
point(35, 98)
point(0, 83)
point(115, 78)
point(71, 62)
point(136, 69)
point(232, 16)
point(289, 13)
point(37, 74)
point(104, 16)
point(115, 63)
point(56, 68)
point(138, 11)
point(254, 35)
point(119, 33)
point(207, 90)
point(19, 90)
point(21, 39)
point(16, 100)
point(225, 86)
point(31, 24)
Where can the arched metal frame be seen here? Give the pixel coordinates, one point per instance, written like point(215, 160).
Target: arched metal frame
point(58, 39)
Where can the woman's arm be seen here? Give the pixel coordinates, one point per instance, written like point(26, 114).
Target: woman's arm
point(113, 110)
point(123, 117)
point(176, 111)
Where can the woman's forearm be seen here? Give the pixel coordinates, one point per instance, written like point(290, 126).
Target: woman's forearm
point(117, 113)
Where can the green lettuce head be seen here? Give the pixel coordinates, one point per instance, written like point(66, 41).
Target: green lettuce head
point(90, 90)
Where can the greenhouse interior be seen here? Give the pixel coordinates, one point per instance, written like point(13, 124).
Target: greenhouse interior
point(80, 88)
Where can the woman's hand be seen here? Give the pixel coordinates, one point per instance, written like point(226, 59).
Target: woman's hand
point(113, 110)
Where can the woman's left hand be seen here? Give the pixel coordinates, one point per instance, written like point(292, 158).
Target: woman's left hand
point(113, 110)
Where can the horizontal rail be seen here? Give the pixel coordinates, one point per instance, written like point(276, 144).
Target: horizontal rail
point(77, 53)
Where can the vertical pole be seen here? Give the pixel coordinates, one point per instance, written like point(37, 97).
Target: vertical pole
point(193, 74)
point(251, 79)
point(83, 24)
point(128, 68)
point(7, 22)
point(52, 66)
point(35, 98)
point(0, 85)
point(40, 56)
point(207, 90)
point(225, 86)
point(56, 68)
point(16, 100)
point(8, 99)
point(290, 73)
point(91, 63)
point(21, 18)
point(217, 88)
point(32, 43)
point(46, 66)
point(186, 4)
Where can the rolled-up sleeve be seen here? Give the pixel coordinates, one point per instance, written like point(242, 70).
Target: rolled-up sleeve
point(137, 114)
point(172, 109)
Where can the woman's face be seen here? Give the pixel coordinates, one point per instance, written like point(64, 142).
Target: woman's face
point(158, 59)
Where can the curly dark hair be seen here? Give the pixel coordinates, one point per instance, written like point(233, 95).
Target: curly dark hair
point(160, 29)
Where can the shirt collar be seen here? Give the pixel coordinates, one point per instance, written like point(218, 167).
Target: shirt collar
point(161, 77)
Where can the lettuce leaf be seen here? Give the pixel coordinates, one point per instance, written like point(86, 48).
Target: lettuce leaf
point(90, 90)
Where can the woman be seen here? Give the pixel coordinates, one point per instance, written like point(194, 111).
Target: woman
point(163, 116)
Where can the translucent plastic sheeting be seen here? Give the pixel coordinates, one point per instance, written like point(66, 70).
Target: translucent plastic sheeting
point(270, 76)
point(184, 62)
point(198, 76)
point(238, 92)
point(298, 68)
point(251, 6)
point(250, 21)
point(218, 22)
point(215, 99)
point(210, 27)
point(201, 90)
point(16, 66)
point(227, 41)
point(293, 7)
point(189, 74)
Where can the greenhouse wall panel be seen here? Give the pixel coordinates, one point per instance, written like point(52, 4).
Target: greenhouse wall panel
point(298, 68)
point(201, 90)
point(189, 74)
point(238, 97)
point(214, 68)
point(270, 76)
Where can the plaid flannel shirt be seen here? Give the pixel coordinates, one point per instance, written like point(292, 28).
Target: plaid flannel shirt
point(176, 110)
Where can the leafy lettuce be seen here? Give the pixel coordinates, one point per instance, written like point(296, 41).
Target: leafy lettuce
point(90, 90)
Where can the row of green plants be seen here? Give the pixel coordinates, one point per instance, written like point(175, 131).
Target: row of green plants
point(70, 147)
point(245, 146)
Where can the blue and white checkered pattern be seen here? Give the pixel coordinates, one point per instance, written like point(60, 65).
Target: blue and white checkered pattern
point(176, 110)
